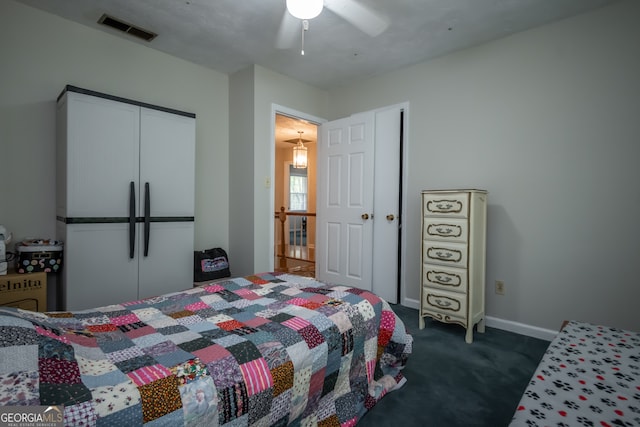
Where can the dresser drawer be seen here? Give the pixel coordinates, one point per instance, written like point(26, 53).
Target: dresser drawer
point(443, 253)
point(438, 276)
point(446, 229)
point(446, 204)
point(448, 303)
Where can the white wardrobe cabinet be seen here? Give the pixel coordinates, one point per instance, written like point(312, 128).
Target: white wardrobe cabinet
point(124, 198)
point(453, 258)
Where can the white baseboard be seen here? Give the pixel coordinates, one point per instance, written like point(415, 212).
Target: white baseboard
point(505, 325)
point(521, 328)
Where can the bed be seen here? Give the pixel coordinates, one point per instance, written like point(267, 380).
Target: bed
point(262, 350)
point(589, 376)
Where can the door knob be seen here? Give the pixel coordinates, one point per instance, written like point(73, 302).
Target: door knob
point(365, 216)
point(390, 217)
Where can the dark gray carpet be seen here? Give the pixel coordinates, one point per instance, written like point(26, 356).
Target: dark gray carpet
point(454, 384)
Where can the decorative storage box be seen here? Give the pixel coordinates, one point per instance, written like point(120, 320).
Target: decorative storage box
point(26, 291)
point(39, 255)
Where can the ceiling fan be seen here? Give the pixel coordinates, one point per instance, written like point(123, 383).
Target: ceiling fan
point(297, 14)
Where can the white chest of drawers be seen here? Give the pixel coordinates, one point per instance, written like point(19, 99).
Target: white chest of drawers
point(453, 257)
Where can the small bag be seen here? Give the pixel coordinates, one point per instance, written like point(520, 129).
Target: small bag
point(210, 264)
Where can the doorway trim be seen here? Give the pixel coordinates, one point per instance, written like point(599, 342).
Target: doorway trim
point(405, 107)
point(290, 112)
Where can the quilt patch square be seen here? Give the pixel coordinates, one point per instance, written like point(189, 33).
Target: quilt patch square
point(282, 378)
point(160, 348)
point(135, 363)
point(81, 414)
point(295, 323)
point(63, 394)
point(255, 321)
point(59, 371)
point(19, 388)
point(196, 307)
point(211, 353)
point(189, 320)
point(18, 359)
point(194, 345)
point(148, 374)
point(230, 325)
point(244, 352)
point(17, 336)
point(125, 354)
point(287, 337)
point(140, 332)
point(234, 402)
point(280, 407)
point(125, 319)
point(256, 375)
point(173, 358)
point(259, 406)
point(159, 398)
point(104, 327)
point(311, 335)
point(200, 403)
point(225, 372)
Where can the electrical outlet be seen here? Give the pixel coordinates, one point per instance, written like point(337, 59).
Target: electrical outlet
point(499, 287)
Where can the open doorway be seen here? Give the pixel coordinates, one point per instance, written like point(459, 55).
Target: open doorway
point(295, 194)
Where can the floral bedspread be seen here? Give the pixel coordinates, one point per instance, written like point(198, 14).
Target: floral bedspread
point(262, 350)
point(589, 376)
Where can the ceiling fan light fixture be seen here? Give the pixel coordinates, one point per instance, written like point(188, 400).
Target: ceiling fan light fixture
point(304, 9)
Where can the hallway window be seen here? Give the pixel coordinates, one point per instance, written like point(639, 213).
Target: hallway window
point(297, 189)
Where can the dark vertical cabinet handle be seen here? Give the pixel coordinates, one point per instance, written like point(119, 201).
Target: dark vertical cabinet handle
point(147, 218)
point(132, 219)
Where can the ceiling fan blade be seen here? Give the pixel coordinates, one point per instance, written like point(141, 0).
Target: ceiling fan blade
point(289, 28)
point(362, 17)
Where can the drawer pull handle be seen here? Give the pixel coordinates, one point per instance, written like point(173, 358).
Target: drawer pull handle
point(443, 303)
point(444, 255)
point(444, 230)
point(447, 206)
point(443, 279)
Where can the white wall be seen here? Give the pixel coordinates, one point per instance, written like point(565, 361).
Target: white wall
point(269, 88)
point(547, 122)
point(41, 53)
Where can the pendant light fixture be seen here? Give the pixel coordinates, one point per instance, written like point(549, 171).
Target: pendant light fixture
point(300, 153)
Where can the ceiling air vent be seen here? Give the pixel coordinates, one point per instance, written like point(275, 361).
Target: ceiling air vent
point(118, 24)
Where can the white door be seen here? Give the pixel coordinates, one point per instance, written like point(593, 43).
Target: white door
point(387, 203)
point(359, 176)
point(344, 228)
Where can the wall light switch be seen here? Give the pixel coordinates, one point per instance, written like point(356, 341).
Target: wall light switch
point(267, 182)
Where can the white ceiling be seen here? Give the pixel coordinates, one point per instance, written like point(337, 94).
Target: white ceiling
point(228, 35)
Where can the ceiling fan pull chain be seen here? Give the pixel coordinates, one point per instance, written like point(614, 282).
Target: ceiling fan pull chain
point(305, 27)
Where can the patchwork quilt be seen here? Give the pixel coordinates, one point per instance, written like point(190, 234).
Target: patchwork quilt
point(263, 350)
point(589, 376)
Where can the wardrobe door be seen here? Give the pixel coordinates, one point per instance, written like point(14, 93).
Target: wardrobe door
point(167, 162)
point(97, 269)
point(102, 156)
point(167, 182)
